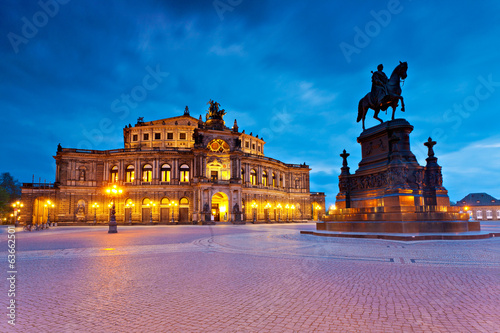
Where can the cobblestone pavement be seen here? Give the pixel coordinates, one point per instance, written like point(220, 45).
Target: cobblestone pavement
point(251, 278)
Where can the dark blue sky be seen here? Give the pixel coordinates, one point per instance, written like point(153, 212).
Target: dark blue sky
point(290, 71)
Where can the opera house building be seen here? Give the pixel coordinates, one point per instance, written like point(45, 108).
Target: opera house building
point(178, 170)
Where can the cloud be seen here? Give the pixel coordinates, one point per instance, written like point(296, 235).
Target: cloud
point(225, 51)
point(473, 168)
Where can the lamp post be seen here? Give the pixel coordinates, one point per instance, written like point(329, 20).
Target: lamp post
point(293, 210)
point(151, 204)
point(267, 206)
point(287, 211)
point(317, 211)
point(173, 204)
point(113, 191)
point(279, 212)
point(254, 210)
point(129, 205)
point(17, 209)
point(95, 206)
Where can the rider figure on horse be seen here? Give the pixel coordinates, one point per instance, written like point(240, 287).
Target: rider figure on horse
point(379, 86)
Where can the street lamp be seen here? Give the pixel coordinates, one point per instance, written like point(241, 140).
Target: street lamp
point(317, 211)
point(267, 206)
point(254, 210)
point(113, 191)
point(95, 206)
point(129, 205)
point(17, 209)
point(293, 210)
point(48, 205)
point(279, 212)
point(172, 204)
point(151, 204)
point(287, 211)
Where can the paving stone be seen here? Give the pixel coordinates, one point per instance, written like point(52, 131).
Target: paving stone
point(252, 278)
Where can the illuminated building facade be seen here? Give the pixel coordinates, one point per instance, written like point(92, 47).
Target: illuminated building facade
point(176, 170)
point(480, 206)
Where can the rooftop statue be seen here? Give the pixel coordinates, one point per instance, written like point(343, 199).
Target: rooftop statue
point(213, 110)
point(385, 92)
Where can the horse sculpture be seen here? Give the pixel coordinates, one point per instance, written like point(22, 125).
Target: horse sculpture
point(390, 100)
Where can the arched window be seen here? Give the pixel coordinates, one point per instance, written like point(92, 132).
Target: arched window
point(274, 179)
point(297, 183)
point(253, 177)
point(264, 178)
point(184, 173)
point(165, 173)
point(147, 173)
point(113, 174)
point(184, 201)
point(130, 174)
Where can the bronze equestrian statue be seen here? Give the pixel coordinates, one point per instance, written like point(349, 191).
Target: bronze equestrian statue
point(385, 92)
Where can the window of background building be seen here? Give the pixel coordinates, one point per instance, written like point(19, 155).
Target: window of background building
point(258, 148)
point(170, 136)
point(274, 179)
point(147, 173)
point(165, 173)
point(498, 214)
point(134, 137)
point(247, 144)
point(214, 175)
point(489, 215)
point(130, 174)
point(264, 178)
point(182, 136)
point(479, 214)
point(114, 174)
point(253, 177)
point(146, 136)
point(157, 136)
point(253, 146)
point(184, 173)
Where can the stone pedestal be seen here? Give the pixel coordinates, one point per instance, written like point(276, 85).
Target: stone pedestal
point(390, 192)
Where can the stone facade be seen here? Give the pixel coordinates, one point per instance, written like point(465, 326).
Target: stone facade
point(480, 207)
point(176, 170)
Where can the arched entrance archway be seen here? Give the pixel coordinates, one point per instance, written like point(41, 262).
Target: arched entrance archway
point(220, 207)
point(39, 211)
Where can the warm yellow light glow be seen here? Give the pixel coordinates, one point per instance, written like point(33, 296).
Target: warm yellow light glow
point(254, 205)
point(223, 209)
point(466, 208)
point(109, 249)
point(114, 190)
point(287, 206)
point(95, 205)
point(279, 206)
point(293, 206)
point(268, 205)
